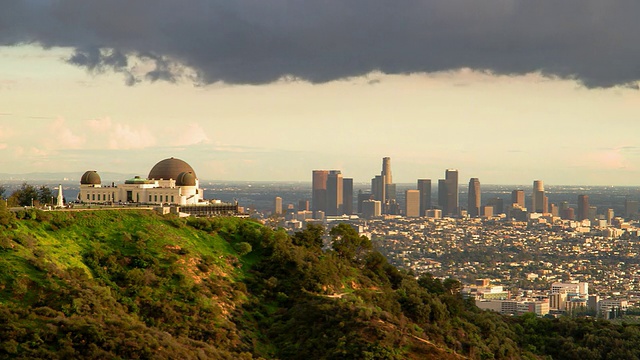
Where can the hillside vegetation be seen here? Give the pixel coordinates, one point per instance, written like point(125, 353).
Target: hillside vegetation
point(135, 285)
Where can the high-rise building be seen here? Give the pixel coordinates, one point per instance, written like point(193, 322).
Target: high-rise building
point(382, 186)
point(277, 205)
point(412, 203)
point(567, 214)
point(498, 205)
point(538, 199)
point(303, 205)
point(319, 191)
point(451, 185)
point(593, 213)
point(386, 170)
point(347, 196)
point(631, 209)
point(583, 207)
point(371, 209)
point(378, 188)
point(487, 211)
point(390, 191)
point(424, 187)
point(362, 196)
point(553, 209)
point(442, 194)
point(517, 197)
point(473, 205)
point(334, 193)
point(610, 216)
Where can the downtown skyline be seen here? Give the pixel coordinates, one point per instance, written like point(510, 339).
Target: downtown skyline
point(524, 102)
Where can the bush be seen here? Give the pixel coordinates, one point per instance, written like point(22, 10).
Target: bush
point(243, 248)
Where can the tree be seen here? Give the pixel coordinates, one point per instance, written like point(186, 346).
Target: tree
point(6, 216)
point(347, 243)
point(24, 195)
point(311, 236)
point(2, 190)
point(45, 195)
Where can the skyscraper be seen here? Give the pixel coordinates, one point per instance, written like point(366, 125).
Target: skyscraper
point(631, 208)
point(424, 187)
point(382, 186)
point(378, 188)
point(386, 170)
point(347, 196)
point(538, 201)
point(362, 196)
point(303, 205)
point(412, 203)
point(451, 186)
point(583, 207)
point(610, 216)
point(334, 193)
point(442, 194)
point(517, 198)
point(319, 191)
point(277, 205)
point(497, 204)
point(474, 197)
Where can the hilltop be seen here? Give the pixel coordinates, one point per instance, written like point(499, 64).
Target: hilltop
point(133, 284)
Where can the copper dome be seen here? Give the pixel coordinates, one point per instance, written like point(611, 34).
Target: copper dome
point(170, 169)
point(90, 177)
point(186, 179)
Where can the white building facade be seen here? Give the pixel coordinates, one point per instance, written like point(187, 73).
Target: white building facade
point(171, 181)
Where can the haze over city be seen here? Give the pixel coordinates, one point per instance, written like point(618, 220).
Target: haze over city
point(505, 91)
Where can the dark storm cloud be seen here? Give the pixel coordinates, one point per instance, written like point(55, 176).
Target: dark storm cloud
point(260, 41)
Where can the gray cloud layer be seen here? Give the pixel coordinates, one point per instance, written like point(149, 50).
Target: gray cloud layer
point(260, 41)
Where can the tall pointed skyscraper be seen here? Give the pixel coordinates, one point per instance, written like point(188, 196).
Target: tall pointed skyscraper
point(474, 198)
point(382, 186)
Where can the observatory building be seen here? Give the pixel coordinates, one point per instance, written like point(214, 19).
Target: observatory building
point(171, 181)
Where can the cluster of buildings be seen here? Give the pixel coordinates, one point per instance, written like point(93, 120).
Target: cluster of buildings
point(526, 259)
point(561, 298)
point(333, 195)
point(171, 183)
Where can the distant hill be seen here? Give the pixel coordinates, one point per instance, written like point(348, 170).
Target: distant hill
point(62, 176)
point(136, 285)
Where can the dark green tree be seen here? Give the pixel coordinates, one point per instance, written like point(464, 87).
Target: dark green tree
point(45, 195)
point(347, 243)
point(2, 190)
point(310, 237)
point(24, 195)
point(6, 216)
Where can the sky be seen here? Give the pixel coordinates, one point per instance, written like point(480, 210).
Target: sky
point(507, 91)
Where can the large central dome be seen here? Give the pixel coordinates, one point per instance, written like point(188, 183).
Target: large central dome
point(170, 169)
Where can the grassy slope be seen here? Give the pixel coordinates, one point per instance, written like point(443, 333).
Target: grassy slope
point(132, 284)
point(102, 268)
point(65, 238)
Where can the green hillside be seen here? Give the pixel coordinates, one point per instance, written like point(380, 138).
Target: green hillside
point(132, 284)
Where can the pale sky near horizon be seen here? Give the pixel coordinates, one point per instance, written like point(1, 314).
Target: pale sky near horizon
point(503, 126)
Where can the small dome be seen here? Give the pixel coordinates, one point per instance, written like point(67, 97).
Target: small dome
point(90, 177)
point(170, 169)
point(186, 179)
